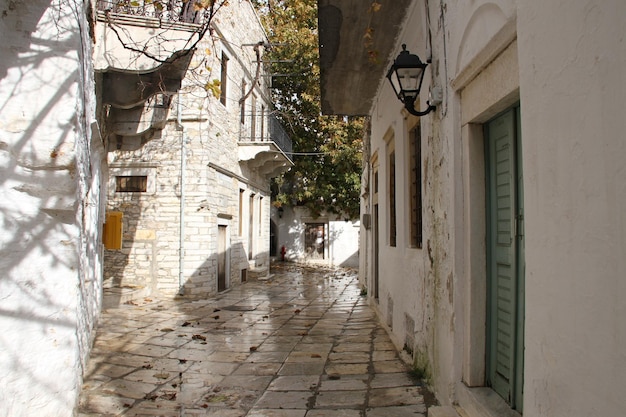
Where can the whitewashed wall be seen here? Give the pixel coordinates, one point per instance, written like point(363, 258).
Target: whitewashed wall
point(573, 89)
point(51, 162)
point(341, 242)
point(563, 61)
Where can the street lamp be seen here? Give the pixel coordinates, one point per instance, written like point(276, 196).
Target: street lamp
point(406, 75)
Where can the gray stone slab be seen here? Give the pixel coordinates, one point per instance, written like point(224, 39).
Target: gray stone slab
point(386, 367)
point(284, 400)
point(248, 382)
point(442, 412)
point(352, 347)
point(127, 389)
point(276, 413)
point(401, 411)
point(390, 380)
point(344, 383)
point(302, 369)
point(346, 368)
point(260, 357)
point(349, 357)
point(258, 368)
point(333, 413)
point(295, 383)
point(306, 357)
point(387, 397)
point(341, 399)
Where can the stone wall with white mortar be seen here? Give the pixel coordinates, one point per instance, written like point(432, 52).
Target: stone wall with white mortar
point(213, 176)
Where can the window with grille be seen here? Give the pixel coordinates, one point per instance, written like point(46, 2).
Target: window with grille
point(242, 117)
point(392, 198)
point(253, 118)
point(415, 175)
point(131, 184)
point(241, 192)
point(224, 79)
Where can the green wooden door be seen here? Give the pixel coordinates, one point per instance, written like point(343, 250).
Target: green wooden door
point(505, 257)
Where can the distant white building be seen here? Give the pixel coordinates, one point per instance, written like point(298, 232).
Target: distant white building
point(329, 239)
point(495, 252)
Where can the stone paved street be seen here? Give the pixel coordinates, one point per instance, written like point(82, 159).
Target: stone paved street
point(302, 344)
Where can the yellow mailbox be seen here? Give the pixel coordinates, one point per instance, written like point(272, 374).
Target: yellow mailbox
point(112, 230)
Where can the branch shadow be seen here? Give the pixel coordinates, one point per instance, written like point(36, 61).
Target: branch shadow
point(50, 179)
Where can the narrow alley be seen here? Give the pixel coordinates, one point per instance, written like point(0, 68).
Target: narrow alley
point(302, 344)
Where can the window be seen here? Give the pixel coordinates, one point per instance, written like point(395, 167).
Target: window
point(314, 240)
point(132, 179)
point(242, 118)
point(241, 191)
point(253, 118)
point(375, 182)
point(391, 171)
point(224, 79)
point(260, 215)
point(251, 227)
point(262, 128)
point(415, 175)
point(131, 184)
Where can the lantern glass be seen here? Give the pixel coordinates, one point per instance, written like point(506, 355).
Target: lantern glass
point(410, 80)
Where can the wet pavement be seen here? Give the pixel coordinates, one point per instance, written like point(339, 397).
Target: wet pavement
point(304, 343)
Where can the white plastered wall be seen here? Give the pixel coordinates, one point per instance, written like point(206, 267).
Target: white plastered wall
point(573, 87)
point(51, 160)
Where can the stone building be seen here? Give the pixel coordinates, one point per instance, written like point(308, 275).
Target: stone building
point(192, 180)
point(493, 235)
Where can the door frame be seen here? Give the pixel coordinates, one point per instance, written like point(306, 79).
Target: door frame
point(223, 223)
point(374, 181)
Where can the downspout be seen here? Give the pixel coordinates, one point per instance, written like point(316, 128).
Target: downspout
point(183, 166)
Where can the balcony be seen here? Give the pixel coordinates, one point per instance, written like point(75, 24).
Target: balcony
point(143, 11)
point(141, 57)
point(264, 145)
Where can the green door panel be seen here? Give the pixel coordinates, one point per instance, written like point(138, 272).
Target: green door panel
point(504, 319)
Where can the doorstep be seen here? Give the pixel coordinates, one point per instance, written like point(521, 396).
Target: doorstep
point(483, 402)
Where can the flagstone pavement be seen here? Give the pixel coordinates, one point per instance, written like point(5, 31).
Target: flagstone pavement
point(304, 343)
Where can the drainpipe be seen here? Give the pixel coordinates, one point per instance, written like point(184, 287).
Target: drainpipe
point(183, 166)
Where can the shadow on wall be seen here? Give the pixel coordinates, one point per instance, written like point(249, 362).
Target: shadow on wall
point(223, 270)
point(118, 276)
point(49, 211)
point(220, 271)
point(351, 262)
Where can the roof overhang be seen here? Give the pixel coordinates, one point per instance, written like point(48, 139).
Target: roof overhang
point(352, 64)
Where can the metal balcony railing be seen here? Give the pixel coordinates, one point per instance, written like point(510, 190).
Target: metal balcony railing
point(166, 10)
point(279, 136)
point(257, 128)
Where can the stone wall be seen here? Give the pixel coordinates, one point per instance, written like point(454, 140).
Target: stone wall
point(210, 184)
